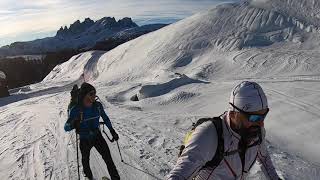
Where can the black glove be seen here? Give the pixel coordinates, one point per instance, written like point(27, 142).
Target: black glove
point(114, 134)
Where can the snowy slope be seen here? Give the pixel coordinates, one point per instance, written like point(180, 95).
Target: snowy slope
point(305, 10)
point(179, 73)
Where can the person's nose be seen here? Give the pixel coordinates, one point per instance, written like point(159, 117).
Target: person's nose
point(260, 123)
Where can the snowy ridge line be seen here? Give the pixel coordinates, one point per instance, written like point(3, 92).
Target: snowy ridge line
point(254, 21)
point(82, 66)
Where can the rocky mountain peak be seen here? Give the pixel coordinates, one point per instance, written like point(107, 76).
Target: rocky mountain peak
point(127, 22)
point(76, 28)
point(104, 23)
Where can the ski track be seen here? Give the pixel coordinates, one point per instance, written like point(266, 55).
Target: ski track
point(148, 146)
point(149, 149)
point(310, 108)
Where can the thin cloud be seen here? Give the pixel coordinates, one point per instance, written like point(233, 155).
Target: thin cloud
point(29, 17)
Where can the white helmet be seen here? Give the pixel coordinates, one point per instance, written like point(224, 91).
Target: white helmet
point(249, 97)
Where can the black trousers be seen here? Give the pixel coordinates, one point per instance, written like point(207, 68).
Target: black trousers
point(102, 147)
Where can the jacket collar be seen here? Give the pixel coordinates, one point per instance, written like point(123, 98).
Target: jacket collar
point(226, 119)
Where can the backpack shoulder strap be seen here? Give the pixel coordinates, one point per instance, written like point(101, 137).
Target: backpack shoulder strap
point(200, 121)
point(81, 114)
point(218, 157)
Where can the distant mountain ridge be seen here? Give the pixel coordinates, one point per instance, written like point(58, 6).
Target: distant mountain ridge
point(91, 26)
point(79, 36)
point(30, 62)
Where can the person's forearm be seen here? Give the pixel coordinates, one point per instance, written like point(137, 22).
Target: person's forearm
point(107, 122)
point(105, 118)
point(185, 169)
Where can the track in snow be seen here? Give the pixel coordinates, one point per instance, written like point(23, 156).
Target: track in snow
point(35, 145)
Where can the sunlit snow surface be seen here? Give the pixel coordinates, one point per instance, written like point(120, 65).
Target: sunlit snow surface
point(206, 54)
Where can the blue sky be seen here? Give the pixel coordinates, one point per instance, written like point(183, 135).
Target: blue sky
point(31, 19)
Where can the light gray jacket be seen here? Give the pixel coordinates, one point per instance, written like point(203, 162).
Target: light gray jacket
point(202, 148)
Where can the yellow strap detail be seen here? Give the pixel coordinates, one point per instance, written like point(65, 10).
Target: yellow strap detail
point(187, 137)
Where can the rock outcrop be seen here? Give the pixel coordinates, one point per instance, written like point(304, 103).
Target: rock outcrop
point(4, 92)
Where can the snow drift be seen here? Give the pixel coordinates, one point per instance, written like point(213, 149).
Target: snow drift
point(148, 91)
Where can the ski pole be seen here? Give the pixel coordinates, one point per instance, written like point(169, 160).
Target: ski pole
point(70, 139)
point(119, 151)
point(77, 156)
point(111, 140)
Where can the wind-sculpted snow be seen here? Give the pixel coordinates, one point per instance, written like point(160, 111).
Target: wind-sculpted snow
point(82, 66)
point(304, 10)
point(148, 91)
point(215, 41)
point(237, 26)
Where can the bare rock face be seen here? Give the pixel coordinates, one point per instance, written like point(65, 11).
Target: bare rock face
point(3, 85)
point(76, 28)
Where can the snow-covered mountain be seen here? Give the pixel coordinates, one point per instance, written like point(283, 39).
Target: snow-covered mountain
point(176, 75)
point(79, 36)
point(306, 11)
